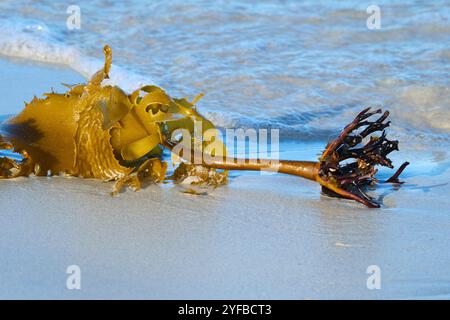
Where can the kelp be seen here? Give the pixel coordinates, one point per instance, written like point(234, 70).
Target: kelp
point(99, 131)
point(95, 131)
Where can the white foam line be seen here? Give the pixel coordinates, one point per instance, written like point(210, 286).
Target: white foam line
point(33, 41)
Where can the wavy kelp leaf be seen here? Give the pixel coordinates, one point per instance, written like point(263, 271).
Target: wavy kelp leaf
point(116, 108)
point(94, 155)
point(149, 172)
point(96, 131)
point(199, 175)
point(141, 124)
point(155, 111)
point(69, 132)
point(46, 129)
point(140, 148)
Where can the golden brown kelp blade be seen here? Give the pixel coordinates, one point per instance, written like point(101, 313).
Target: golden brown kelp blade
point(96, 131)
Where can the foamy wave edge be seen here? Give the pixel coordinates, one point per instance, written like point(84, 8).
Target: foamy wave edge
point(32, 40)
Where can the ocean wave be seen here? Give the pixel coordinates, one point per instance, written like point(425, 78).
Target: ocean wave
point(306, 91)
point(33, 40)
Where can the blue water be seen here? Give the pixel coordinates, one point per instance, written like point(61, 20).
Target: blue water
point(302, 66)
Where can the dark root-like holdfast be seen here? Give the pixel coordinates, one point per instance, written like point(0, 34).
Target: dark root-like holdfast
point(348, 167)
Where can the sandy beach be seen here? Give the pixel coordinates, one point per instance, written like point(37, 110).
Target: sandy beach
point(259, 237)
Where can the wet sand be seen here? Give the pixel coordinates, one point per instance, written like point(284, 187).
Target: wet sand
point(261, 236)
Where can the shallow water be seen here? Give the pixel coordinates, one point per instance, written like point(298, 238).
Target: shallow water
point(304, 67)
